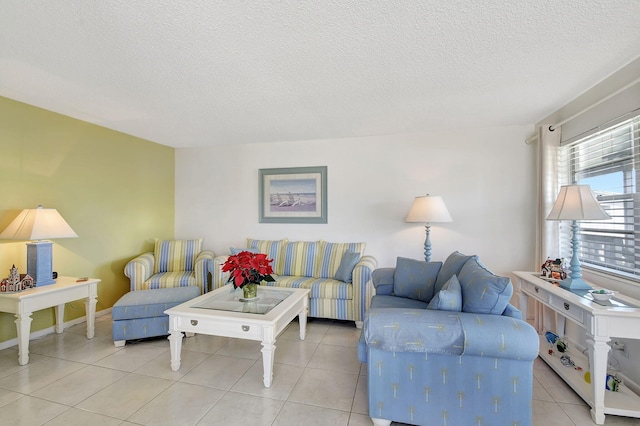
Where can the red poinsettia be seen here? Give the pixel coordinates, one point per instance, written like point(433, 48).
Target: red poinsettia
point(246, 267)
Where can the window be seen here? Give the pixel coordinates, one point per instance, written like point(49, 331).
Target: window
point(608, 161)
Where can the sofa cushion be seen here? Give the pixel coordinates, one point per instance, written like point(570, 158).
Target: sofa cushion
point(176, 255)
point(170, 279)
point(330, 256)
point(345, 270)
point(452, 266)
point(449, 298)
point(299, 258)
point(321, 288)
point(273, 249)
point(482, 291)
point(415, 279)
point(383, 301)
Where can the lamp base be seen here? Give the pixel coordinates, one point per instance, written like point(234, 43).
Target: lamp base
point(575, 284)
point(39, 262)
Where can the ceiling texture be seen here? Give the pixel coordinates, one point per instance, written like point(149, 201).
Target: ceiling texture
point(188, 73)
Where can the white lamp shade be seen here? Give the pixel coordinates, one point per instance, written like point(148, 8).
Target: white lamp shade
point(428, 209)
point(38, 224)
point(577, 202)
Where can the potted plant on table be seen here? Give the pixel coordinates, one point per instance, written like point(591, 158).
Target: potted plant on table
point(247, 270)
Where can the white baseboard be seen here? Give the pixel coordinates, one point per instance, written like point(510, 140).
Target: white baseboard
point(50, 330)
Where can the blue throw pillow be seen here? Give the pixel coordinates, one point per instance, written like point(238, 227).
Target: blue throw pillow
point(451, 267)
point(345, 270)
point(449, 298)
point(415, 279)
point(482, 291)
point(235, 250)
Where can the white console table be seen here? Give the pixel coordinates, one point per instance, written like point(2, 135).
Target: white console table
point(65, 289)
point(618, 318)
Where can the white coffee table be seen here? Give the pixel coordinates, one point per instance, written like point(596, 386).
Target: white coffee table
point(223, 312)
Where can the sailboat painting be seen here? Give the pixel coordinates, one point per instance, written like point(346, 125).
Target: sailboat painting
point(293, 195)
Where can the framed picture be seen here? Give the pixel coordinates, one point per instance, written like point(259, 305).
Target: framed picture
point(293, 195)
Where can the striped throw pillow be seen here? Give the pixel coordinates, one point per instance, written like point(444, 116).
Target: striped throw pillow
point(299, 258)
point(273, 249)
point(330, 256)
point(176, 255)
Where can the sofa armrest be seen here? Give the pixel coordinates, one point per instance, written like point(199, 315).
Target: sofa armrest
point(414, 330)
point(202, 267)
point(499, 336)
point(450, 333)
point(362, 291)
point(383, 280)
point(219, 278)
point(139, 269)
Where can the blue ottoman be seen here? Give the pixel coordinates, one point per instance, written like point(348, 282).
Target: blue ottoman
point(140, 314)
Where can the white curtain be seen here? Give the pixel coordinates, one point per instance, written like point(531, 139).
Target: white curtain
point(548, 240)
point(548, 187)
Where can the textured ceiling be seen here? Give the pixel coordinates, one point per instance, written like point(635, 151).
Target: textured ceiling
point(204, 72)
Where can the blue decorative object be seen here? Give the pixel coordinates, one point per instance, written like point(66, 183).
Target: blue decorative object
point(551, 337)
point(39, 257)
point(575, 281)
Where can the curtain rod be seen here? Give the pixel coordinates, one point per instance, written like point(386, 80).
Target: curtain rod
point(531, 139)
point(604, 125)
point(552, 127)
point(606, 98)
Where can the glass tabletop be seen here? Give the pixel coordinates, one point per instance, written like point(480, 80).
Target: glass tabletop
point(233, 301)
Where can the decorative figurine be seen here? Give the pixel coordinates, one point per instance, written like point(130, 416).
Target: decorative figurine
point(554, 269)
point(567, 361)
point(613, 383)
point(551, 337)
point(15, 282)
point(562, 345)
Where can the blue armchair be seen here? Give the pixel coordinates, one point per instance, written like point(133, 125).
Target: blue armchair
point(434, 358)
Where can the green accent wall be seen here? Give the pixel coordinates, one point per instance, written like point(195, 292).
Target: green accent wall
point(116, 191)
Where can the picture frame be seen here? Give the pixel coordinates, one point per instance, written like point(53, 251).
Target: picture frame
point(293, 195)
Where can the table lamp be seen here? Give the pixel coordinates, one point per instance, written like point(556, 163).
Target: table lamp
point(576, 202)
point(428, 209)
point(39, 224)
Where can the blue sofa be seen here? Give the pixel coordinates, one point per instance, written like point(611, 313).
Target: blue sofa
point(444, 346)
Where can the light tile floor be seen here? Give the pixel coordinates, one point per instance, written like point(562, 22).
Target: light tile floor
point(74, 381)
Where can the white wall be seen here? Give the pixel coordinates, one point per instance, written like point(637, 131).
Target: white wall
point(486, 177)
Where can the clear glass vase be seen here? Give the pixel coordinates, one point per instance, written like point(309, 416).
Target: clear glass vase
point(250, 291)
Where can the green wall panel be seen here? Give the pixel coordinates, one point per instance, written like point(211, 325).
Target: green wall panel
point(116, 191)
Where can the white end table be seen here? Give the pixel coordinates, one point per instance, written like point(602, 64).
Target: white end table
point(618, 318)
point(65, 289)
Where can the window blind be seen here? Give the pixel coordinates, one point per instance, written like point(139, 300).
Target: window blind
point(608, 161)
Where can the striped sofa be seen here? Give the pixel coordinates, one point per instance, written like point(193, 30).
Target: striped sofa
point(338, 274)
point(173, 263)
